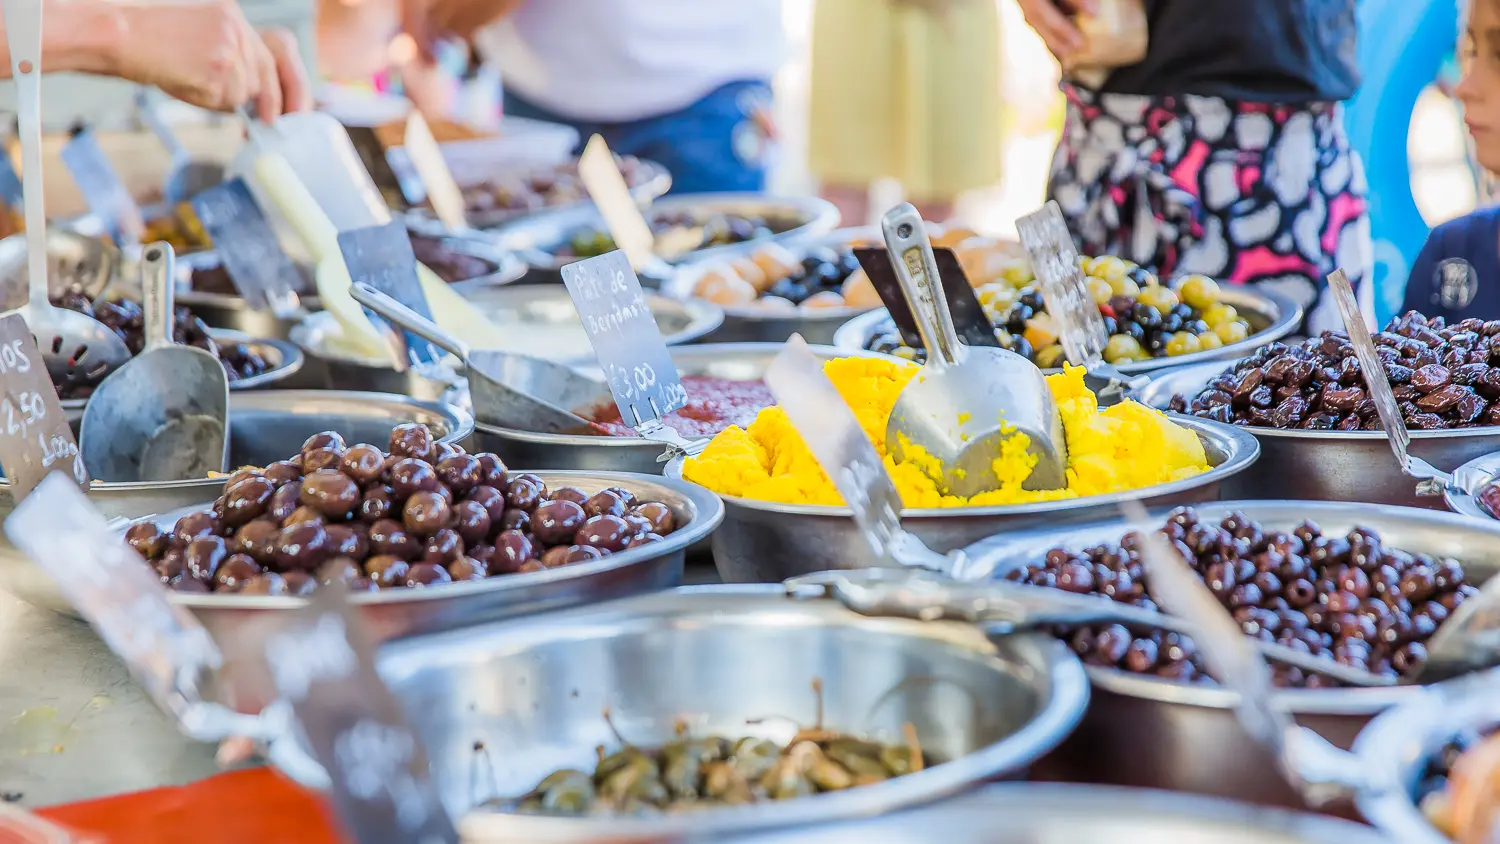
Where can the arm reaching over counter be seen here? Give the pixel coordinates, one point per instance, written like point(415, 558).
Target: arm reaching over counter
point(205, 54)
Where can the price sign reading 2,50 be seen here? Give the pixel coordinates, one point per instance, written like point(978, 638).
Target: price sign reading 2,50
point(20, 411)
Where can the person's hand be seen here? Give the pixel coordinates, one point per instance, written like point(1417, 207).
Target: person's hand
point(291, 75)
point(205, 54)
point(1053, 20)
point(426, 21)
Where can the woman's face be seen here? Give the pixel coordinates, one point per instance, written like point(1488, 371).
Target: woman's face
point(1479, 90)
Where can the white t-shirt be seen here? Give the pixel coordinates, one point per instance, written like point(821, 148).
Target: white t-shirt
point(620, 60)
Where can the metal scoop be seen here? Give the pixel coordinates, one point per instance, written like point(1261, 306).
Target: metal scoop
point(967, 400)
point(164, 416)
point(77, 349)
point(503, 387)
point(187, 176)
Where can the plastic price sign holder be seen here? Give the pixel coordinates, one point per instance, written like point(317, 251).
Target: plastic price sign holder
point(35, 438)
point(247, 245)
point(606, 186)
point(628, 345)
point(377, 161)
point(1080, 326)
point(381, 256)
point(969, 320)
point(101, 187)
point(319, 659)
point(426, 157)
point(835, 438)
point(165, 647)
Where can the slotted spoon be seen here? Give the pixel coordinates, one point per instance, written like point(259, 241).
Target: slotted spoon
point(77, 349)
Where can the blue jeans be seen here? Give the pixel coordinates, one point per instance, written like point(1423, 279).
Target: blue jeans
point(712, 145)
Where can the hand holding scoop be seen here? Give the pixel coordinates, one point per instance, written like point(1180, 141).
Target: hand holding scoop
point(959, 413)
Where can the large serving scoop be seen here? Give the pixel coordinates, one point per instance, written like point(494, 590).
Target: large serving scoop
point(503, 387)
point(957, 413)
point(164, 416)
point(77, 349)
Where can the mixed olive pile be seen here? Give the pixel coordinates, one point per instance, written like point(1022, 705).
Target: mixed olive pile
point(773, 278)
point(694, 774)
point(1442, 376)
point(125, 319)
point(424, 513)
point(1145, 318)
point(543, 187)
point(434, 252)
point(710, 229)
point(1348, 598)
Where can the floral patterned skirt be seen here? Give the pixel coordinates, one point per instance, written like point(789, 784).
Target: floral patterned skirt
point(1243, 192)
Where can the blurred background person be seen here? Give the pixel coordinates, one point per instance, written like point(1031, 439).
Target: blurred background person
point(1223, 151)
point(906, 90)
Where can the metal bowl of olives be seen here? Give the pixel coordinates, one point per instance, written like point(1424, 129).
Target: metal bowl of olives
point(264, 426)
point(1270, 316)
point(1328, 465)
point(768, 542)
point(733, 224)
point(1028, 813)
point(1147, 730)
point(519, 700)
point(1474, 492)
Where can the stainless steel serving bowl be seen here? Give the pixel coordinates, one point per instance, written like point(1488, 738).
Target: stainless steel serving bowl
point(264, 426)
point(736, 361)
point(1032, 813)
point(1272, 316)
point(1329, 465)
point(395, 613)
point(749, 324)
point(766, 542)
point(537, 237)
point(1396, 747)
point(501, 706)
point(1155, 733)
point(654, 182)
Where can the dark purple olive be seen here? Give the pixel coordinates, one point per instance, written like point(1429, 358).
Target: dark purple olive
point(410, 475)
point(492, 471)
point(348, 541)
point(604, 503)
point(426, 574)
point(363, 463)
point(257, 539)
point(286, 499)
point(521, 494)
point(460, 472)
point(607, 533)
point(325, 439)
point(330, 492)
point(659, 515)
point(426, 513)
point(555, 522)
point(512, 548)
point(624, 495)
point(319, 459)
point(411, 439)
point(643, 539)
point(389, 537)
point(234, 573)
point(147, 539)
point(376, 504)
point(570, 493)
point(515, 520)
point(283, 472)
point(302, 546)
point(472, 521)
point(204, 555)
point(443, 547)
point(637, 524)
point(194, 525)
point(247, 500)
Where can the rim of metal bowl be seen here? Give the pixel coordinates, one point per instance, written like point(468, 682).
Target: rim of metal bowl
point(291, 360)
point(532, 236)
point(680, 355)
point(709, 513)
point(703, 318)
point(463, 427)
point(1242, 448)
point(1285, 317)
point(657, 181)
point(1059, 713)
point(476, 243)
point(1299, 433)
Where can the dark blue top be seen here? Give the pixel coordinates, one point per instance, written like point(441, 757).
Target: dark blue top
point(1439, 285)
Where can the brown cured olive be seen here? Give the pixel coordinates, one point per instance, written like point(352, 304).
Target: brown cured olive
point(302, 546)
point(347, 541)
point(303, 514)
point(570, 493)
point(512, 548)
point(472, 521)
point(443, 547)
point(265, 583)
point(389, 537)
point(147, 539)
point(283, 472)
point(426, 574)
point(659, 515)
point(324, 439)
point(330, 492)
point(286, 499)
point(555, 522)
point(582, 554)
point(194, 525)
point(522, 494)
point(363, 462)
point(554, 557)
point(411, 439)
point(204, 555)
point(515, 520)
point(492, 499)
point(247, 500)
point(534, 479)
point(340, 570)
point(258, 539)
point(625, 496)
point(467, 568)
point(604, 503)
point(376, 505)
point(426, 513)
point(460, 472)
point(386, 571)
point(531, 566)
point(320, 458)
point(492, 471)
point(410, 475)
point(607, 533)
point(637, 524)
point(299, 583)
point(234, 573)
point(643, 539)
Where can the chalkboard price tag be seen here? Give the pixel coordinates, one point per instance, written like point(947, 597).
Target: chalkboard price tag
point(247, 245)
point(320, 660)
point(163, 644)
point(10, 183)
point(382, 257)
point(373, 154)
point(627, 341)
point(1054, 259)
point(969, 320)
point(101, 187)
point(35, 438)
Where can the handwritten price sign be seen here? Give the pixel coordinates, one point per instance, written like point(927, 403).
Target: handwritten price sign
point(35, 438)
